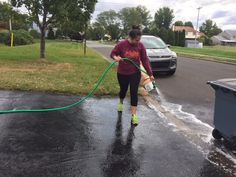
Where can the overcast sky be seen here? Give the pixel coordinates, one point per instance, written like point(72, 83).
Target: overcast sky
point(223, 12)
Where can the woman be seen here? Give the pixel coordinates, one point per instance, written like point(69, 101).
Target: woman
point(127, 73)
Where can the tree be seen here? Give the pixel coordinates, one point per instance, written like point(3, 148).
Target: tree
point(209, 28)
point(182, 38)
point(145, 15)
point(164, 17)
point(5, 12)
point(46, 12)
point(188, 24)
point(109, 20)
point(134, 16)
point(96, 31)
point(77, 17)
point(153, 29)
point(51, 34)
point(179, 23)
point(19, 21)
point(179, 38)
point(170, 37)
point(163, 34)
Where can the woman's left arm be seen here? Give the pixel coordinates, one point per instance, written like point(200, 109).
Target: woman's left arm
point(145, 60)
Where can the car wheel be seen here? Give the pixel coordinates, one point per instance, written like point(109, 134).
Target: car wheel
point(216, 134)
point(172, 72)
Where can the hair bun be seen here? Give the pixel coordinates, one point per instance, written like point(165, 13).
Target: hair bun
point(137, 27)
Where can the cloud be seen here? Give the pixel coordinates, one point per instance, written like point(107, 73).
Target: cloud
point(221, 12)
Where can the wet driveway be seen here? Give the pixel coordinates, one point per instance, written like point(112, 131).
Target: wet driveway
point(93, 140)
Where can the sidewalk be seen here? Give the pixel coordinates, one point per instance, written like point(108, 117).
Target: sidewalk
point(93, 140)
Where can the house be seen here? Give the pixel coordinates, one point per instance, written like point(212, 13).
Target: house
point(227, 37)
point(3, 27)
point(190, 34)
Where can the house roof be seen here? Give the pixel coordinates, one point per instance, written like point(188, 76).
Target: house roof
point(182, 28)
point(230, 38)
point(231, 32)
point(3, 30)
point(3, 24)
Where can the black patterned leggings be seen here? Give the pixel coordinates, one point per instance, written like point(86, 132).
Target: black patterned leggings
point(133, 80)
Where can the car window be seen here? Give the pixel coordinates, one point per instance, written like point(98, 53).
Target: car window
point(153, 43)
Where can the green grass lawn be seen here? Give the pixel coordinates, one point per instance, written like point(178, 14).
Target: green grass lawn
point(66, 69)
point(221, 53)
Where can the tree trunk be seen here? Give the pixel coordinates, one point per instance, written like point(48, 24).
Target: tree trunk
point(42, 44)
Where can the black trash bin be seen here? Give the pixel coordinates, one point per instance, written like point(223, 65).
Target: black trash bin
point(225, 109)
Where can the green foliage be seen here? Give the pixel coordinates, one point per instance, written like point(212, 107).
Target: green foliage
point(163, 34)
point(35, 34)
point(67, 69)
point(188, 24)
point(110, 22)
point(59, 34)
point(76, 18)
point(209, 28)
point(134, 16)
point(95, 31)
point(68, 15)
point(114, 31)
point(179, 38)
point(164, 17)
point(19, 21)
point(4, 37)
point(205, 40)
point(5, 12)
point(182, 39)
point(170, 37)
point(179, 23)
point(51, 34)
point(21, 37)
point(153, 29)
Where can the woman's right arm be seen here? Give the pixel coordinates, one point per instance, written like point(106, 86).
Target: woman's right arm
point(115, 53)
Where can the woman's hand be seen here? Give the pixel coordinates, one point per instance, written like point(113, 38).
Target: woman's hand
point(117, 58)
point(152, 78)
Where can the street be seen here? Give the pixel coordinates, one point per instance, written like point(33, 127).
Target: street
point(173, 138)
point(94, 140)
point(188, 87)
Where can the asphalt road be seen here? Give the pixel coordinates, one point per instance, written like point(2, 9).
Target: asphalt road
point(94, 140)
point(188, 86)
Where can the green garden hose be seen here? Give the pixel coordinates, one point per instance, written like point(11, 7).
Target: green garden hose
point(76, 103)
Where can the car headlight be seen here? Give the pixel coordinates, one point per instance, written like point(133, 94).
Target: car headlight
point(174, 55)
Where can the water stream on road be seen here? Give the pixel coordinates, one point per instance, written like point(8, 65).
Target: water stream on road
point(196, 132)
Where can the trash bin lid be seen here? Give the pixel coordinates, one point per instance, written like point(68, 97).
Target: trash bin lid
point(229, 83)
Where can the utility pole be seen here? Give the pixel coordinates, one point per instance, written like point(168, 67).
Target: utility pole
point(85, 39)
point(10, 26)
point(196, 32)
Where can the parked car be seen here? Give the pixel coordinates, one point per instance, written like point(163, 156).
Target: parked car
point(162, 59)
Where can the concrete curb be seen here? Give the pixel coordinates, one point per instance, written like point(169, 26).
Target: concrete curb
point(203, 57)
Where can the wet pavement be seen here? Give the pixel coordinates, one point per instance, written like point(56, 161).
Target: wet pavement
point(187, 88)
point(94, 140)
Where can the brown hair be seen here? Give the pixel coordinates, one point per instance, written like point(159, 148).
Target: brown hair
point(135, 32)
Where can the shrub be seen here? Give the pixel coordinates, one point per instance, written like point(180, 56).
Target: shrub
point(51, 34)
point(21, 37)
point(4, 37)
point(35, 34)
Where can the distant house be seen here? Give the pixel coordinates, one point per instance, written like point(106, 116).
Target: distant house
point(3, 27)
point(190, 34)
point(227, 37)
